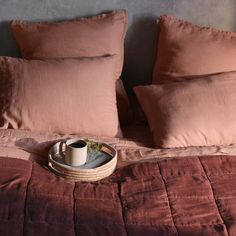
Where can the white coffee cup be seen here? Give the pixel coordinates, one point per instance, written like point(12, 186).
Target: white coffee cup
point(75, 152)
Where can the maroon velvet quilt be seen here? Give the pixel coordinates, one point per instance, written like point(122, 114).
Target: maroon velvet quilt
point(187, 196)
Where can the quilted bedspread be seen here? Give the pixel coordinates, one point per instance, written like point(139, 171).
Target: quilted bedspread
point(188, 196)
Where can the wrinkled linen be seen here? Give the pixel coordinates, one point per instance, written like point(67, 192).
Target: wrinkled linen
point(52, 95)
point(193, 112)
point(184, 191)
point(190, 196)
point(29, 145)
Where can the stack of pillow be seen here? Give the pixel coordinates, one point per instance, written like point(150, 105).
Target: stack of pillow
point(68, 80)
point(192, 101)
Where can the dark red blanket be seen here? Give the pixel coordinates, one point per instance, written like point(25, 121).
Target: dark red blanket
point(189, 196)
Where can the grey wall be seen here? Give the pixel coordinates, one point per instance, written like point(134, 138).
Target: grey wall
point(141, 36)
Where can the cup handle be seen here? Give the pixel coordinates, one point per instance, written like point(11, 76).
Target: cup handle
point(62, 154)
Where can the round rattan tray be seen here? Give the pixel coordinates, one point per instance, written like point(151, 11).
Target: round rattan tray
point(99, 164)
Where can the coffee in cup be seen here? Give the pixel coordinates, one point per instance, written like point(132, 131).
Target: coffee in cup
point(75, 152)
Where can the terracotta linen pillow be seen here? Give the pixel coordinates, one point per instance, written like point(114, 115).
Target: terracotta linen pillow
point(99, 35)
point(66, 96)
point(195, 112)
point(187, 49)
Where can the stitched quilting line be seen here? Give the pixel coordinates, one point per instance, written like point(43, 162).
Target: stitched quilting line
point(168, 198)
point(122, 207)
point(74, 209)
point(26, 194)
point(213, 194)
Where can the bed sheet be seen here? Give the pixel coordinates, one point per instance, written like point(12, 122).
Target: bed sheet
point(136, 146)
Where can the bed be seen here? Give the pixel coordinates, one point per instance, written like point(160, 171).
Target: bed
point(175, 136)
point(152, 191)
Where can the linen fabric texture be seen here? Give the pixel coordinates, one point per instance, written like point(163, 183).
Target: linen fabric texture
point(99, 35)
point(187, 49)
point(60, 95)
point(194, 112)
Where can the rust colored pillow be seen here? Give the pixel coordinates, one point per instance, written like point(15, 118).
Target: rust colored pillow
point(187, 49)
point(66, 96)
point(195, 112)
point(94, 36)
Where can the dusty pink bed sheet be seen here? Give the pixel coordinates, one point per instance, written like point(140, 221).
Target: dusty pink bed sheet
point(137, 146)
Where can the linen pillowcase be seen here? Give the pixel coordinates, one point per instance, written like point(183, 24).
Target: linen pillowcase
point(187, 49)
point(94, 36)
point(66, 96)
point(195, 112)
